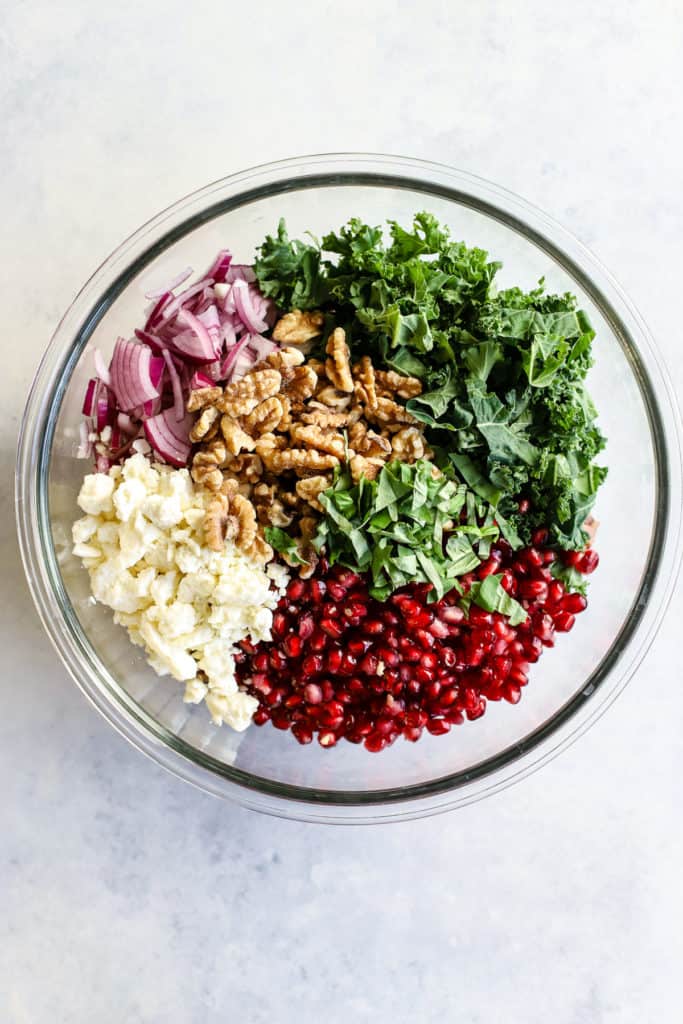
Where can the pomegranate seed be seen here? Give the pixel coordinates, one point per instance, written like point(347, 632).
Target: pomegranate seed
point(374, 743)
point(588, 562)
point(334, 659)
point(317, 591)
point(448, 657)
point(490, 566)
point(555, 592)
point(564, 621)
point(348, 664)
point(480, 617)
point(292, 646)
point(347, 578)
point(306, 627)
point(533, 558)
point(573, 603)
point(311, 665)
point(317, 641)
point(296, 589)
point(438, 726)
point(313, 694)
point(534, 590)
point(355, 610)
point(416, 718)
point(327, 738)
point(524, 506)
point(261, 716)
point(261, 661)
point(373, 627)
point(336, 591)
point(452, 615)
point(302, 732)
point(327, 689)
point(279, 627)
point(332, 628)
point(539, 537)
point(508, 582)
point(512, 693)
point(545, 630)
point(280, 720)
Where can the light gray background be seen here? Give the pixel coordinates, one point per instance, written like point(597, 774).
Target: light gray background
point(125, 896)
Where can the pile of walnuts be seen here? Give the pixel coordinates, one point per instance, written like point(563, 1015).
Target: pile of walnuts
point(268, 444)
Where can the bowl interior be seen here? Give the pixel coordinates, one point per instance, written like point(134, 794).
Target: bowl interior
point(565, 676)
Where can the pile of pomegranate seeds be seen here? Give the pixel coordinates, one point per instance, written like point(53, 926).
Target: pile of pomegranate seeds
point(342, 665)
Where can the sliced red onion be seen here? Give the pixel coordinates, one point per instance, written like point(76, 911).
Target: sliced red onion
point(130, 374)
point(154, 317)
point(200, 380)
point(101, 368)
point(244, 306)
point(150, 408)
point(242, 365)
point(211, 320)
point(181, 299)
point(260, 346)
point(220, 266)
point(105, 414)
point(169, 438)
point(229, 361)
point(89, 400)
point(209, 333)
point(157, 365)
point(157, 346)
point(172, 285)
point(228, 335)
point(198, 344)
point(213, 370)
point(178, 403)
point(240, 272)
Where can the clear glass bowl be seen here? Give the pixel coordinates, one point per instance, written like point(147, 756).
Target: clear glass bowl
point(639, 506)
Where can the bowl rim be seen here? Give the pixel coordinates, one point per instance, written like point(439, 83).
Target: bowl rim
point(40, 561)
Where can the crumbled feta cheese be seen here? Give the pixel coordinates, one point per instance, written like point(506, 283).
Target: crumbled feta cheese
point(96, 494)
point(195, 691)
point(142, 541)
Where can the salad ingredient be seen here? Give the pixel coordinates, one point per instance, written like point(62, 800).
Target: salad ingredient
point(503, 373)
point(409, 525)
point(297, 328)
point(168, 437)
point(142, 542)
point(343, 665)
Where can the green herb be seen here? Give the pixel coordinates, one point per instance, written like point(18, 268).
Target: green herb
point(285, 544)
point(504, 399)
point(403, 527)
point(490, 594)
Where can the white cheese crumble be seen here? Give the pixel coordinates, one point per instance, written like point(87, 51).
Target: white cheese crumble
point(142, 542)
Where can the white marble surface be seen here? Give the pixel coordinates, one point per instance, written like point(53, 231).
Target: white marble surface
point(128, 897)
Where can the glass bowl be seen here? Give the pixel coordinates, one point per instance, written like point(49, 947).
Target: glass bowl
point(639, 507)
